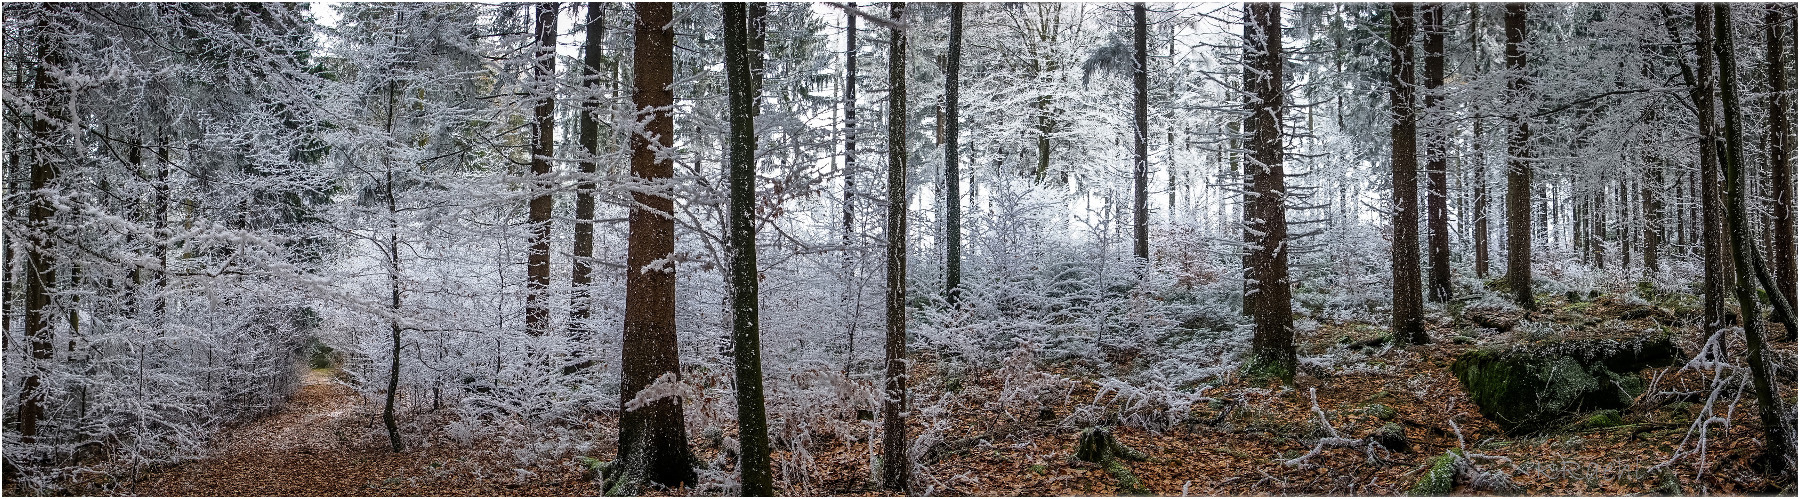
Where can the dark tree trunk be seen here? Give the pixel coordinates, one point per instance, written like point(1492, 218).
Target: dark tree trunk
point(952, 175)
point(580, 307)
point(1778, 443)
point(46, 131)
point(1518, 170)
point(543, 135)
point(753, 426)
point(1408, 324)
point(1140, 135)
point(1712, 224)
point(1482, 238)
point(1272, 344)
point(1651, 194)
point(652, 439)
point(850, 171)
point(896, 469)
point(1779, 28)
point(394, 330)
point(1437, 211)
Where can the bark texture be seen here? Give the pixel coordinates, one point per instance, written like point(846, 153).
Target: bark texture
point(1518, 168)
point(1265, 222)
point(583, 274)
point(543, 140)
point(1408, 305)
point(753, 426)
point(653, 444)
point(1140, 134)
point(1437, 209)
point(952, 174)
point(896, 469)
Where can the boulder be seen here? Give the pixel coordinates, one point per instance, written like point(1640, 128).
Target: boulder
point(1531, 387)
point(1494, 317)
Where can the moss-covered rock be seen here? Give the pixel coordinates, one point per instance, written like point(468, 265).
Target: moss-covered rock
point(1527, 388)
point(1439, 480)
point(1497, 318)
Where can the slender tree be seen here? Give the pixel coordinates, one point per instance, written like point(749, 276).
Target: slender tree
point(580, 307)
point(753, 426)
point(1437, 209)
point(1778, 28)
point(952, 175)
point(1778, 443)
point(543, 140)
point(850, 171)
point(1481, 236)
point(1409, 324)
point(1518, 169)
point(1716, 256)
point(652, 438)
point(1265, 215)
point(896, 469)
point(1140, 134)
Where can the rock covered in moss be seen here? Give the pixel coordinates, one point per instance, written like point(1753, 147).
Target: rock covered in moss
point(1439, 480)
point(1527, 388)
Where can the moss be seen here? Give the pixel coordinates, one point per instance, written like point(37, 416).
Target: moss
point(1439, 480)
point(1261, 369)
point(1381, 411)
point(1532, 388)
point(1603, 419)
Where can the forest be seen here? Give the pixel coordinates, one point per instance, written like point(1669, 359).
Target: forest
point(851, 249)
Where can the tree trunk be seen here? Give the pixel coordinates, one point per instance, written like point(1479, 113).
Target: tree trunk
point(1717, 277)
point(896, 469)
point(850, 286)
point(394, 330)
point(1272, 344)
point(952, 175)
point(1779, 28)
point(1778, 443)
point(1404, 255)
point(580, 307)
point(1437, 211)
point(1518, 171)
point(1140, 136)
point(46, 131)
point(1482, 238)
point(753, 426)
point(652, 439)
point(537, 262)
point(1650, 192)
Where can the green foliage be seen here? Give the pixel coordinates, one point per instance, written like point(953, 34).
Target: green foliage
point(1603, 419)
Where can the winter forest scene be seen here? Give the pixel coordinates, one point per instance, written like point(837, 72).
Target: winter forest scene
point(861, 249)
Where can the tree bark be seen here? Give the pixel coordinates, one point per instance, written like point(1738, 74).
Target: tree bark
point(1437, 211)
point(1272, 343)
point(896, 469)
point(1482, 237)
point(652, 439)
point(46, 131)
point(753, 426)
point(1408, 323)
point(580, 307)
point(537, 263)
point(1778, 29)
point(1140, 135)
point(953, 175)
point(1778, 443)
point(850, 171)
point(1518, 171)
point(1712, 224)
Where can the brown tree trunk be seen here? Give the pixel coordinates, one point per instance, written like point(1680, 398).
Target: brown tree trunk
point(1437, 211)
point(1482, 238)
point(1272, 353)
point(537, 262)
point(1778, 443)
point(1518, 170)
point(580, 307)
point(1404, 160)
point(652, 439)
point(896, 469)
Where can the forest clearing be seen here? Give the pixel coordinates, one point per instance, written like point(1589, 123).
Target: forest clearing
point(913, 249)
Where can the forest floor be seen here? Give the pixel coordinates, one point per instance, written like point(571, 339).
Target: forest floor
point(327, 443)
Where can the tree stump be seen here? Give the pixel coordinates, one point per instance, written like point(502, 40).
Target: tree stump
point(1097, 445)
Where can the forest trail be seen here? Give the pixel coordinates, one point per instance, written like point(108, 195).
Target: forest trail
point(318, 446)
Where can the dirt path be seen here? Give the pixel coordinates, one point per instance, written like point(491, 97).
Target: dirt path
point(319, 446)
